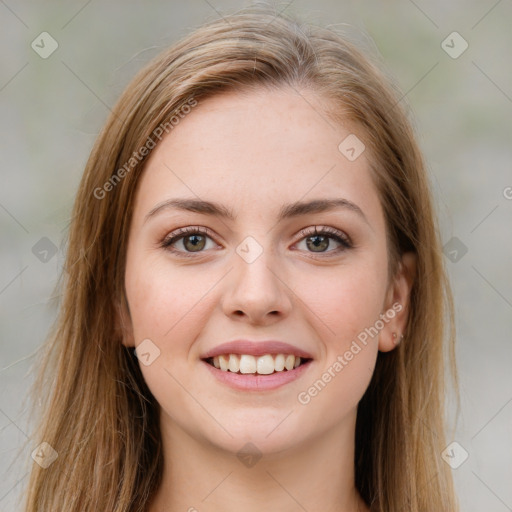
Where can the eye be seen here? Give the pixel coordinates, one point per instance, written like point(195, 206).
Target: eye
point(318, 241)
point(192, 239)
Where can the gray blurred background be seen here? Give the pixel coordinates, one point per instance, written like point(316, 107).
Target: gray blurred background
point(52, 108)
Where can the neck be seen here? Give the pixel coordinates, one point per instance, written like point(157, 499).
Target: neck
point(201, 477)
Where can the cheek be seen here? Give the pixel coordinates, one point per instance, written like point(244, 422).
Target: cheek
point(347, 300)
point(166, 308)
point(349, 305)
point(160, 300)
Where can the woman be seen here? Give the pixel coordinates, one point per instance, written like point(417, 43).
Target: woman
point(254, 300)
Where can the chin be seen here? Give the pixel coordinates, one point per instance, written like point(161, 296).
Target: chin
point(266, 433)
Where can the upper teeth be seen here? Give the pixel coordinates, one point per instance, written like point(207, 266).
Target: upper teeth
point(264, 365)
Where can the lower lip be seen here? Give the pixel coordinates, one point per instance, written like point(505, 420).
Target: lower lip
point(249, 382)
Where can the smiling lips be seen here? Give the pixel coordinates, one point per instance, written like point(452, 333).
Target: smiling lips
point(260, 358)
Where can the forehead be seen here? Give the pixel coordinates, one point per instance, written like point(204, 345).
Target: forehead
point(262, 147)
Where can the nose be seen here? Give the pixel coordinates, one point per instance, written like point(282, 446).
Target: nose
point(256, 291)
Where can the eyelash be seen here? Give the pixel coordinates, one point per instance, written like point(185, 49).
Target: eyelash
point(332, 233)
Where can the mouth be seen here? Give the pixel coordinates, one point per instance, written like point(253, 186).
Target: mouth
point(246, 364)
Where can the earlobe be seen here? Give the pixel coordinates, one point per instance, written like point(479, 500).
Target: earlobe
point(397, 304)
point(397, 340)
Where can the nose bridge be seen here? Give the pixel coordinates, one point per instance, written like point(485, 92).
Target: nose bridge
point(255, 287)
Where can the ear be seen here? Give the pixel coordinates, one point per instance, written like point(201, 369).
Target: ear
point(123, 323)
point(397, 303)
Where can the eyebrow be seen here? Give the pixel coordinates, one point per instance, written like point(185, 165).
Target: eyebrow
point(286, 212)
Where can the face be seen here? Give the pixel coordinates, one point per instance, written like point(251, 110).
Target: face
point(312, 277)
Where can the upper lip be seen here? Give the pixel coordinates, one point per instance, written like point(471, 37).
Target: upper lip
point(256, 348)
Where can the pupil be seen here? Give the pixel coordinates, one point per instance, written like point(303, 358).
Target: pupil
point(197, 243)
point(317, 243)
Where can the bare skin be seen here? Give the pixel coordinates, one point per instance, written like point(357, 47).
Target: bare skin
point(254, 153)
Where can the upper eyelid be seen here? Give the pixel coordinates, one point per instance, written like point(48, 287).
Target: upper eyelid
point(334, 232)
point(189, 230)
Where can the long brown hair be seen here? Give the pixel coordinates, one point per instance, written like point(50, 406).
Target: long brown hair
point(98, 414)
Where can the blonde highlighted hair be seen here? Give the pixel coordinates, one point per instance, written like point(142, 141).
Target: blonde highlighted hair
point(99, 415)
